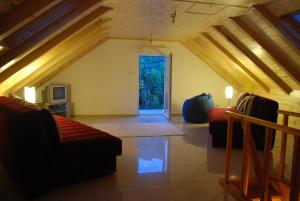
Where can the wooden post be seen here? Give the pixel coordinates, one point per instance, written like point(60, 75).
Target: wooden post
point(246, 159)
point(265, 196)
point(283, 147)
point(228, 149)
point(295, 177)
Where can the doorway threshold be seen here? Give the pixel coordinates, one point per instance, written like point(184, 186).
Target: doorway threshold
point(151, 111)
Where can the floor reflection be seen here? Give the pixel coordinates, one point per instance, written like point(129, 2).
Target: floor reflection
point(157, 168)
point(153, 155)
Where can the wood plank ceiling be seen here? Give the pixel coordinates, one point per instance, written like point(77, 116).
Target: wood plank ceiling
point(47, 38)
point(253, 44)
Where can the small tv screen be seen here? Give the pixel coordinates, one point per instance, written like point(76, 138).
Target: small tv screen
point(59, 93)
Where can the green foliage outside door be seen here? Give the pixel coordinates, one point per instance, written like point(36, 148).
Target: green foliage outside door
point(151, 82)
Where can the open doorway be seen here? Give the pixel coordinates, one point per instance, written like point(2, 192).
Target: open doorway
point(151, 84)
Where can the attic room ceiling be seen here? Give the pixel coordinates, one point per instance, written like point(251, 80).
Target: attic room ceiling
point(252, 44)
point(143, 19)
point(151, 19)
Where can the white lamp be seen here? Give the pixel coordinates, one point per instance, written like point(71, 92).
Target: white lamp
point(29, 94)
point(229, 93)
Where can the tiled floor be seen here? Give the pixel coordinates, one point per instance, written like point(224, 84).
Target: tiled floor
point(158, 168)
point(142, 125)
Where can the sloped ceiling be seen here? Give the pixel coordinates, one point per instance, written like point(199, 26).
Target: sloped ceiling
point(253, 44)
point(48, 37)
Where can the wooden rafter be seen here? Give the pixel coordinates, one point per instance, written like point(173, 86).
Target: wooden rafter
point(245, 50)
point(294, 40)
point(235, 60)
point(57, 16)
point(205, 57)
point(66, 50)
point(292, 68)
point(91, 39)
point(20, 14)
point(3, 45)
point(80, 45)
point(226, 64)
point(69, 61)
point(52, 43)
point(39, 23)
point(43, 26)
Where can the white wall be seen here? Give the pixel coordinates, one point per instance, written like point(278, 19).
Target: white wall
point(106, 80)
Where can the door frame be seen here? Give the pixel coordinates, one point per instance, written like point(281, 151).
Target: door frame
point(168, 86)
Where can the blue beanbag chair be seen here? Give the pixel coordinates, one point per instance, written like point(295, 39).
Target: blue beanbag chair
point(195, 109)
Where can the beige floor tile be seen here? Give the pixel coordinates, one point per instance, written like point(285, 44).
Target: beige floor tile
point(150, 176)
point(199, 191)
point(189, 173)
point(147, 194)
point(170, 168)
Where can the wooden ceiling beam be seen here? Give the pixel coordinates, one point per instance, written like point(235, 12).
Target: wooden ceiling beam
point(288, 65)
point(57, 16)
point(247, 52)
point(44, 26)
point(21, 14)
point(53, 42)
point(279, 26)
point(79, 45)
point(90, 41)
point(68, 62)
point(226, 64)
point(236, 61)
point(2, 46)
point(54, 57)
point(213, 64)
point(40, 22)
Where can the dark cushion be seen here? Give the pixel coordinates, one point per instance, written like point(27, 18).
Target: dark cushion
point(266, 109)
point(30, 148)
point(50, 126)
point(240, 98)
point(245, 104)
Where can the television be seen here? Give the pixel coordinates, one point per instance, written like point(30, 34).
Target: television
point(58, 93)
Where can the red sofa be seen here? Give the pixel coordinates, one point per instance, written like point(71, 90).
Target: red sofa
point(249, 104)
point(41, 152)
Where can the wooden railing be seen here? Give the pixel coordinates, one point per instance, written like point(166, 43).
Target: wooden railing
point(285, 122)
point(262, 170)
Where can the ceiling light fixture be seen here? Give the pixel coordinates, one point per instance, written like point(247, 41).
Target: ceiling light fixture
point(173, 17)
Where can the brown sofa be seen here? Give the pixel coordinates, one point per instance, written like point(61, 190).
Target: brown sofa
point(249, 104)
point(41, 152)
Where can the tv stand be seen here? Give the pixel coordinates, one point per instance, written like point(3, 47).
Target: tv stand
point(61, 109)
